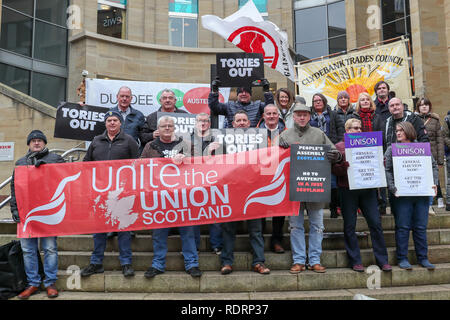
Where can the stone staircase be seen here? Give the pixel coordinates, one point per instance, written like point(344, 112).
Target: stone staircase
point(339, 282)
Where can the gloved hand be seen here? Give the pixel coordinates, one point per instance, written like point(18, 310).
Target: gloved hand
point(282, 143)
point(39, 162)
point(215, 84)
point(334, 156)
point(265, 85)
point(15, 216)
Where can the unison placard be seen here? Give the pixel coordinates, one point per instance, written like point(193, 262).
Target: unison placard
point(364, 153)
point(310, 173)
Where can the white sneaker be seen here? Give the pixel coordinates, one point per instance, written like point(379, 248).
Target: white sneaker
point(440, 203)
point(431, 211)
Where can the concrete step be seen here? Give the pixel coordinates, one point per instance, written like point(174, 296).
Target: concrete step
point(247, 281)
point(243, 260)
point(143, 242)
point(425, 292)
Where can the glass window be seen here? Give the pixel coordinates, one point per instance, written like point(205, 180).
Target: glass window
point(190, 32)
point(320, 28)
point(183, 6)
point(111, 21)
point(14, 77)
point(260, 4)
point(48, 45)
point(16, 32)
point(24, 6)
point(52, 11)
point(49, 89)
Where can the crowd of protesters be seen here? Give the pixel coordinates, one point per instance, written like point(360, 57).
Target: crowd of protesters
point(288, 120)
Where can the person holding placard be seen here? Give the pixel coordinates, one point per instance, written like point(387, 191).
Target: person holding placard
point(434, 130)
point(411, 212)
point(351, 200)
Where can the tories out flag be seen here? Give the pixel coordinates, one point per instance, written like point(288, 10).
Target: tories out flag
point(247, 30)
point(137, 194)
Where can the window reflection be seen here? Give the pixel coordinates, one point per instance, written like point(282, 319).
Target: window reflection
point(16, 32)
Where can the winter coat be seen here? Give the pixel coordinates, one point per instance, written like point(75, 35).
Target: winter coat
point(344, 116)
point(271, 135)
point(434, 131)
point(123, 146)
point(133, 123)
point(389, 128)
point(306, 135)
point(30, 159)
point(254, 109)
point(446, 133)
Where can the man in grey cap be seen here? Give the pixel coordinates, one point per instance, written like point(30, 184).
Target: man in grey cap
point(303, 133)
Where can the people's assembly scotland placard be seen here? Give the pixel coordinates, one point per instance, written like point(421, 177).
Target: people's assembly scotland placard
point(413, 170)
point(239, 69)
point(310, 173)
point(74, 121)
point(364, 153)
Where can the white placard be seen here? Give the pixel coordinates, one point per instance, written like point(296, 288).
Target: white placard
point(6, 151)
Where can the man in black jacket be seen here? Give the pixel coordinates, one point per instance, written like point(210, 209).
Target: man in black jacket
point(113, 144)
point(37, 155)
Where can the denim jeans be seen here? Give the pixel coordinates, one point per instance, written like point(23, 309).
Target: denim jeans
point(411, 214)
point(188, 247)
point(215, 236)
point(124, 241)
point(229, 238)
point(31, 262)
point(298, 243)
point(366, 200)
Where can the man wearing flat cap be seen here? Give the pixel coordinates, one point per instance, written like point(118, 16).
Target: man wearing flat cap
point(37, 155)
point(254, 109)
point(304, 133)
point(113, 144)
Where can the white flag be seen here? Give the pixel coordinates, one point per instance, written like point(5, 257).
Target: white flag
point(247, 30)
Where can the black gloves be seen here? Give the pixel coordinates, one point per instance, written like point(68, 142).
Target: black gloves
point(39, 162)
point(265, 85)
point(334, 156)
point(215, 84)
point(15, 216)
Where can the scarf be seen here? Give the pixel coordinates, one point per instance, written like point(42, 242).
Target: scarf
point(366, 119)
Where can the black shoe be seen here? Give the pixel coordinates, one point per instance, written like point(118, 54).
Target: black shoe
point(127, 270)
point(151, 272)
point(91, 269)
point(382, 210)
point(133, 234)
point(333, 213)
point(111, 235)
point(194, 272)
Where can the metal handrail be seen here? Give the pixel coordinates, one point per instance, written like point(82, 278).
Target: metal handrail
point(64, 154)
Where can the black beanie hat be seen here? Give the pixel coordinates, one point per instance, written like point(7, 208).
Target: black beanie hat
point(36, 134)
point(113, 114)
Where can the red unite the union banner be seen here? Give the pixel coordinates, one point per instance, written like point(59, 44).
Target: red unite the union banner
point(138, 194)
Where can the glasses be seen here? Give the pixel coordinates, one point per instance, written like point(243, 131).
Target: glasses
point(316, 101)
point(204, 121)
point(167, 126)
point(167, 98)
point(356, 128)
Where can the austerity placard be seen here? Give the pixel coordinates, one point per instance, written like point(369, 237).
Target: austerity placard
point(310, 173)
point(413, 171)
point(74, 121)
point(364, 153)
point(239, 69)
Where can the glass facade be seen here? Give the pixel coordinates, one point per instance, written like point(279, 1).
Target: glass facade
point(33, 48)
point(183, 23)
point(261, 5)
point(111, 20)
point(320, 28)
